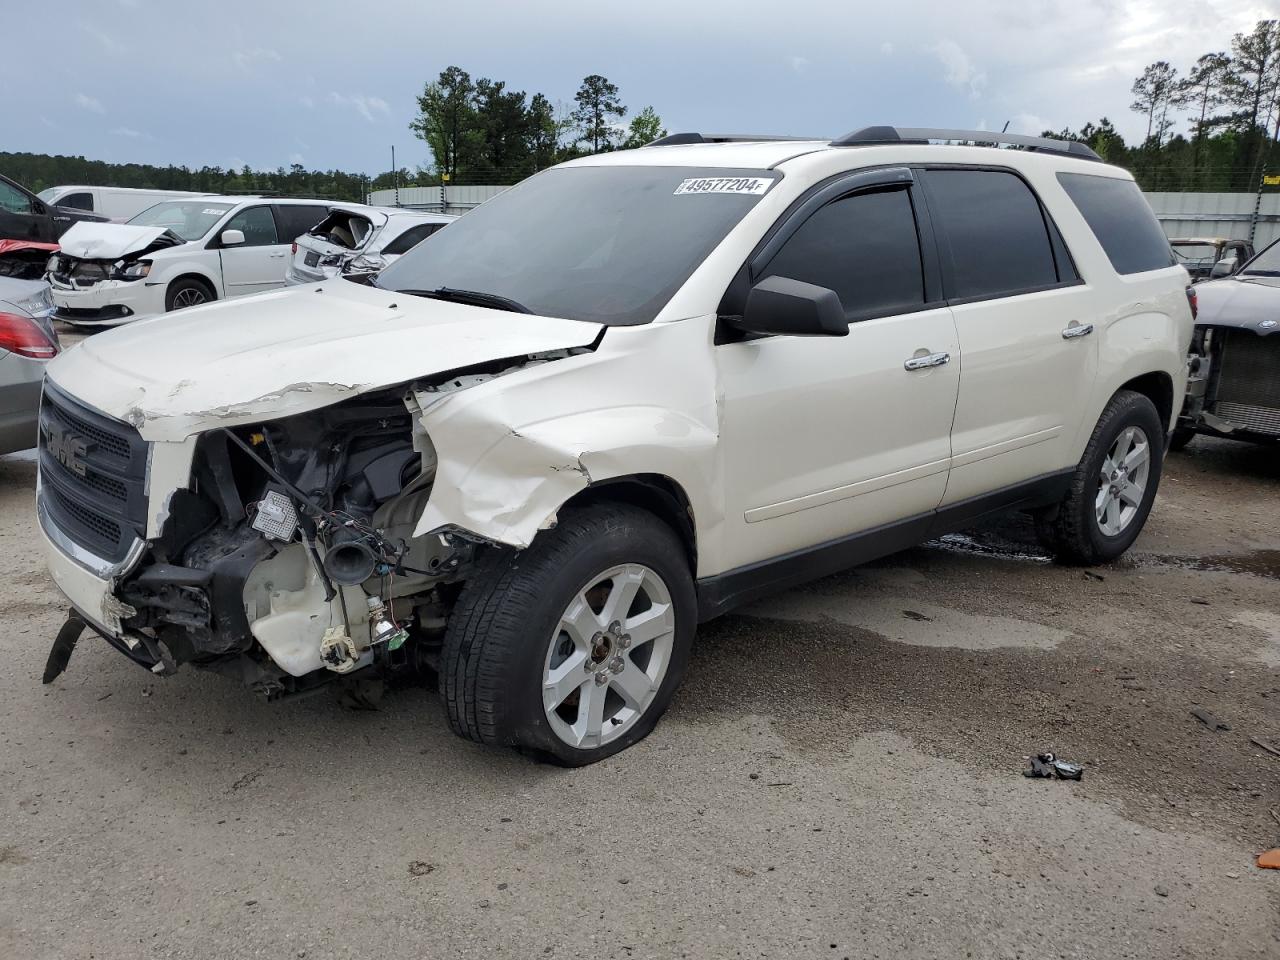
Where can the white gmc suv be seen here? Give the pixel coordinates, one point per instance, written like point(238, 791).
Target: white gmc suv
point(625, 396)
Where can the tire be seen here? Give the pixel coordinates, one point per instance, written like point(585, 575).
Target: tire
point(187, 292)
point(529, 617)
point(1074, 531)
point(1180, 438)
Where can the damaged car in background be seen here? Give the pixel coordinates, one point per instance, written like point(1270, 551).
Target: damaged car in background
point(628, 394)
point(359, 243)
point(1233, 389)
point(176, 254)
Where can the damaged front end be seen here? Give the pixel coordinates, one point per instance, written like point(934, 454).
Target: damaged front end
point(290, 558)
point(93, 259)
point(1233, 383)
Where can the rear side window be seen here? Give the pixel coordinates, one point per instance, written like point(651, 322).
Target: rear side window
point(865, 248)
point(77, 201)
point(1120, 218)
point(993, 234)
point(411, 238)
point(295, 219)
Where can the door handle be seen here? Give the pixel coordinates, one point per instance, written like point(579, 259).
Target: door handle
point(1077, 330)
point(277, 256)
point(932, 360)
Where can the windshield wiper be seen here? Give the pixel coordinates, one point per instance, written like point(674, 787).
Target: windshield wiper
point(476, 298)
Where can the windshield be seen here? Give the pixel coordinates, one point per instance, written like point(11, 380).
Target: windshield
point(608, 244)
point(1194, 252)
point(189, 219)
point(1265, 264)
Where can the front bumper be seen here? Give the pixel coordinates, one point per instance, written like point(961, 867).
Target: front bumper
point(108, 303)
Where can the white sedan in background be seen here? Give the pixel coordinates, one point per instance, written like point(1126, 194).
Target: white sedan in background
point(359, 242)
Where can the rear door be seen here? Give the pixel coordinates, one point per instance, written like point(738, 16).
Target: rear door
point(259, 263)
point(22, 216)
point(1024, 319)
point(824, 437)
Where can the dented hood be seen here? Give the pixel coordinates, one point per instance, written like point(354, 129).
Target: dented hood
point(276, 354)
point(111, 241)
point(1248, 304)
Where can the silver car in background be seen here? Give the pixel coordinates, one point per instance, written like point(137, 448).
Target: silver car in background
point(359, 243)
point(27, 342)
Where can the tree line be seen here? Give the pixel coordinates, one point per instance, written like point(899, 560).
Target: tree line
point(480, 131)
point(1230, 106)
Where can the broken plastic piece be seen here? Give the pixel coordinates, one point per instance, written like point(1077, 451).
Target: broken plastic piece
point(337, 651)
point(1046, 765)
point(1270, 860)
point(63, 644)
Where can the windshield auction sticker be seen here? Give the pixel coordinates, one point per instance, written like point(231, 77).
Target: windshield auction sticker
point(747, 185)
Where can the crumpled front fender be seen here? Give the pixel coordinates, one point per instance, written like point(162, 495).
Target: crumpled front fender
point(512, 451)
point(517, 487)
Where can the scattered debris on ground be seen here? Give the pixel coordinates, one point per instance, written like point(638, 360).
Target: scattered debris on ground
point(1209, 720)
point(1046, 765)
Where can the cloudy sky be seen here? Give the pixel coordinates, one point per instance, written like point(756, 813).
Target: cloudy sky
point(332, 84)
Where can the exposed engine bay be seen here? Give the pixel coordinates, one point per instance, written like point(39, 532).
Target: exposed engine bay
point(291, 558)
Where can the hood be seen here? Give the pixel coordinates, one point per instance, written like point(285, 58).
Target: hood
point(111, 241)
point(1245, 304)
point(281, 353)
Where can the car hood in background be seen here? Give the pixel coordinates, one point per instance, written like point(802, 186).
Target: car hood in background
point(281, 353)
point(1251, 304)
point(111, 241)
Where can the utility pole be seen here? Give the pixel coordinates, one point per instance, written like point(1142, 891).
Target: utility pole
point(395, 174)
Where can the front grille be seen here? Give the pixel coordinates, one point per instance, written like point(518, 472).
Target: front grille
point(92, 476)
point(79, 273)
point(1250, 369)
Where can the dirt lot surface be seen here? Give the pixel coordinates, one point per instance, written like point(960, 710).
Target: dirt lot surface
point(839, 777)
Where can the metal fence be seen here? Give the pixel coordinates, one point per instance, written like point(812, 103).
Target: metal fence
point(450, 199)
point(1218, 215)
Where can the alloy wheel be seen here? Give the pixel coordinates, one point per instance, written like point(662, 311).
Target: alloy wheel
point(608, 656)
point(1122, 481)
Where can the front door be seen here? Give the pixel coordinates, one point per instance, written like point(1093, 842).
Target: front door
point(259, 263)
point(824, 437)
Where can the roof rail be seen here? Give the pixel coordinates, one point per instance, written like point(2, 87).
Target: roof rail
point(672, 139)
point(868, 136)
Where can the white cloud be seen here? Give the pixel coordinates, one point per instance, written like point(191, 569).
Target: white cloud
point(365, 106)
point(130, 133)
point(247, 59)
point(92, 104)
point(959, 70)
point(296, 158)
point(308, 102)
point(105, 40)
point(798, 64)
point(886, 49)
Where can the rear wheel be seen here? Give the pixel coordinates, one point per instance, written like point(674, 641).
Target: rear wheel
point(187, 292)
point(1113, 487)
point(574, 647)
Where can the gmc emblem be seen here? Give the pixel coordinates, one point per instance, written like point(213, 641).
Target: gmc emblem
point(66, 448)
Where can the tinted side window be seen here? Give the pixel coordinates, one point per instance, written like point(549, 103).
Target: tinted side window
point(258, 226)
point(411, 238)
point(1120, 218)
point(865, 248)
point(77, 201)
point(295, 219)
point(992, 227)
point(13, 200)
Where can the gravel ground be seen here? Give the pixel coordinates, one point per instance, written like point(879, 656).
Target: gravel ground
point(839, 777)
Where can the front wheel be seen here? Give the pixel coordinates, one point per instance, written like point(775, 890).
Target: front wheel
point(186, 293)
point(574, 647)
point(1113, 487)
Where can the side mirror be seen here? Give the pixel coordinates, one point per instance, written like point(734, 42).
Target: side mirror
point(792, 308)
point(232, 238)
point(1223, 268)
